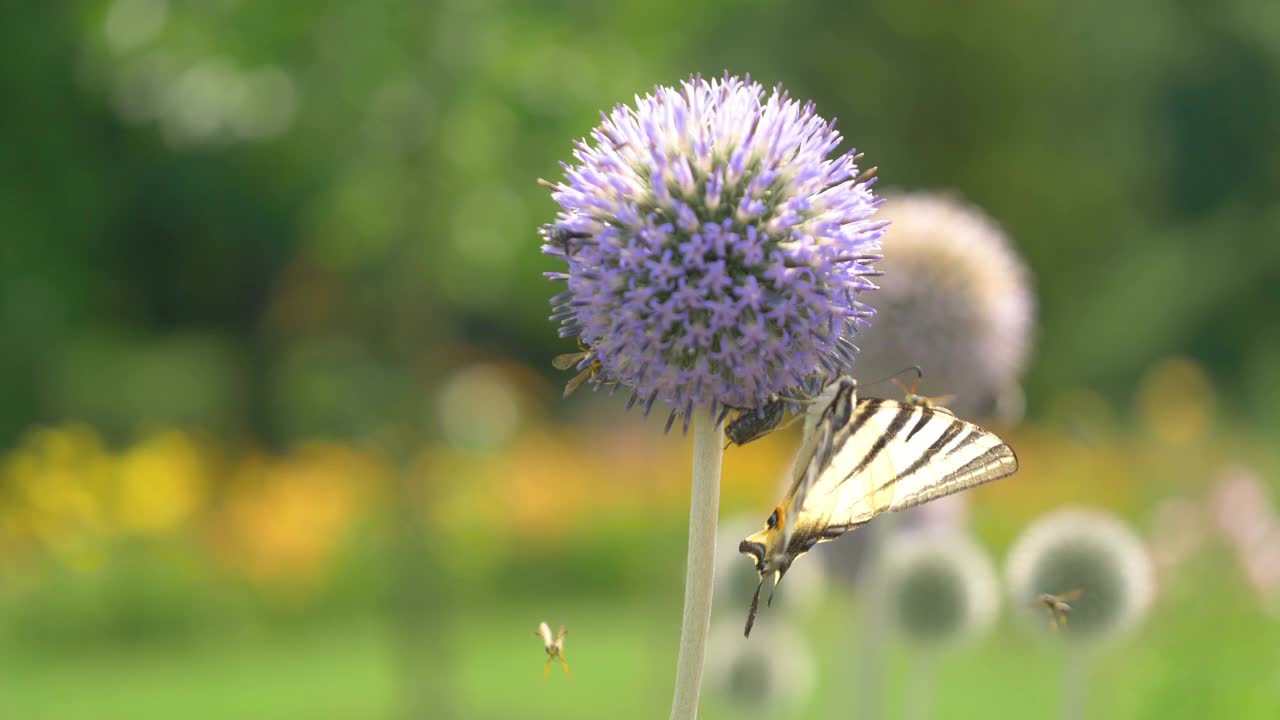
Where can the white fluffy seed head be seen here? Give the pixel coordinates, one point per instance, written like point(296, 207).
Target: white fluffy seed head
point(771, 671)
point(941, 587)
point(1085, 550)
point(955, 299)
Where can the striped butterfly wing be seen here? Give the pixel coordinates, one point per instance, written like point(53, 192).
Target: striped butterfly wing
point(893, 456)
point(821, 431)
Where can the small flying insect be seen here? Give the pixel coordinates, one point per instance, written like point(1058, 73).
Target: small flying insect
point(1058, 606)
point(569, 361)
point(912, 398)
point(554, 646)
point(562, 237)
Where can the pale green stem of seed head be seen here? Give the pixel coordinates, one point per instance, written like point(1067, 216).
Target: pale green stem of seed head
point(873, 620)
point(924, 673)
point(1075, 670)
point(704, 508)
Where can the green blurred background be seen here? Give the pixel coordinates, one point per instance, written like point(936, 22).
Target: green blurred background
point(279, 436)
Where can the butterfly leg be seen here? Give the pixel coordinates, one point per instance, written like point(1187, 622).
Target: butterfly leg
point(792, 421)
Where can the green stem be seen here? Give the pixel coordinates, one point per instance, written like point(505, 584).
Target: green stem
point(704, 507)
point(920, 691)
point(873, 620)
point(1074, 683)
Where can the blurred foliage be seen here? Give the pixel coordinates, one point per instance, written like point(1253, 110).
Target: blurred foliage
point(100, 580)
point(546, 506)
point(259, 262)
point(316, 207)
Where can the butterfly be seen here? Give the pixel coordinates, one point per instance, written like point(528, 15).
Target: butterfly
point(1057, 605)
point(860, 458)
point(555, 647)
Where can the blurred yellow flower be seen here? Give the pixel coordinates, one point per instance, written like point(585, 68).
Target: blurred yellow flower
point(553, 481)
point(285, 516)
point(59, 478)
point(1175, 400)
point(162, 483)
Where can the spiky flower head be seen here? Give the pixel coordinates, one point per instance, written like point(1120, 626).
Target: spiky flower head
point(1086, 552)
point(941, 587)
point(758, 678)
point(956, 300)
point(715, 247)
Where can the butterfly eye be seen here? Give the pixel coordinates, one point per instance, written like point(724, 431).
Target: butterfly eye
point(773, 520)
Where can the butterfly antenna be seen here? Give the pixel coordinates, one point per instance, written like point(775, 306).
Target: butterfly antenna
point(892, 377)
point(755, 605)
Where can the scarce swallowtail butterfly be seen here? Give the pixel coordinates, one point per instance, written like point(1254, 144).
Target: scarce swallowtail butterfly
point(860, 458)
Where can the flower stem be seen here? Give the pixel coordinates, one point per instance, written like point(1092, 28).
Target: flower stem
point(872, 619)
point(1074, 684)
point(704, 507)
point(923, 679)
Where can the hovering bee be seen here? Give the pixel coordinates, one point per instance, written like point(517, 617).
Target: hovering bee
point(1057, 606)
point(554, 646)
point(571, 360)
point(911, 398)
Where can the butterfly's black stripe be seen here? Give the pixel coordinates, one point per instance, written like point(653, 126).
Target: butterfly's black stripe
point(986, 459)
point(834, 531)
point(863, 412)
point(866, 409)
point(930, 452)
point(993, 457)
point(895, 426)
point(842, 406)
point(967, 440)
point(925, 416)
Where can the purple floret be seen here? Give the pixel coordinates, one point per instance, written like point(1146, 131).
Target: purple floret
point(715, 251)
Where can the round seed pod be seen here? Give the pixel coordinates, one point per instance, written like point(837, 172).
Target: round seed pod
point(1090, 553)
point(941, 588)
point(955, 300)
point(771, 670)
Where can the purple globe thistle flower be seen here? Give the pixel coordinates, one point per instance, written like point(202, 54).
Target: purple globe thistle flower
point(715, 248)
